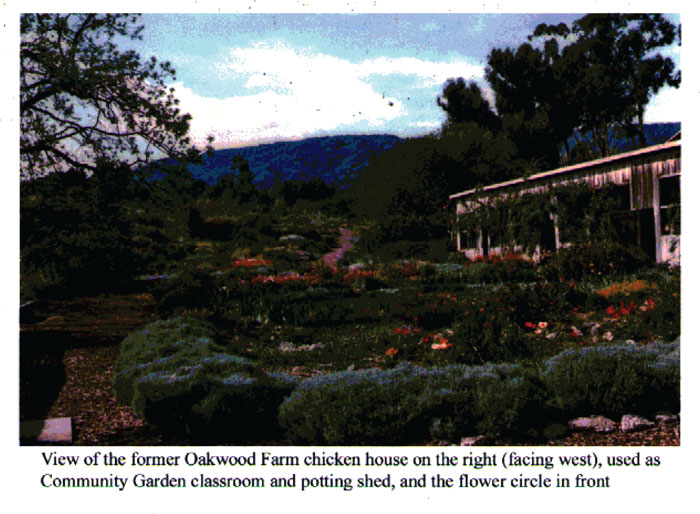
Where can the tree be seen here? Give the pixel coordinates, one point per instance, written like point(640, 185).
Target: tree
point(84, 101)
point(245, 189)
point(611, 70)
point(465, 103)
point(534, 100)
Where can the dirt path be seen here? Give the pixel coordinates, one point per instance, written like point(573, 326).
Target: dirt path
point(68, 352)
point(347, 241)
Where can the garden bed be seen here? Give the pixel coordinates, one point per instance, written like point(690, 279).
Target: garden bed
point(267, 326)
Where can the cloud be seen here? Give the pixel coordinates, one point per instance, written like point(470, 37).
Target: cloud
point(426, 124)
point(281, 92)
point(432, 73)
point(666, 106)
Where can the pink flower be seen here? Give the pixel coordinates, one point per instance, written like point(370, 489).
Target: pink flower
point(575, 332)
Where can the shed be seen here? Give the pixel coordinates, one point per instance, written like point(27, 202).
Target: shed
point(647, 179)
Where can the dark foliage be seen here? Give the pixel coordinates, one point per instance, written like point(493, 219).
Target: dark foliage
point(75, 232)
point(594, 260)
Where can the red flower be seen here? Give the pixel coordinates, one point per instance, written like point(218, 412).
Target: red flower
point(650, 303)
point(627, 309)
point(529, 324)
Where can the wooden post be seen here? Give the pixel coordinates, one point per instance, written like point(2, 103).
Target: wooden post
point(656, 199)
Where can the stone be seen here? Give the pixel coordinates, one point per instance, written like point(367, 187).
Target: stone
point(599, 424)
point(49, 431)
point(666, 419)
point(291, 237)
point(287, 346)
point(479, 440)
point(632, 423)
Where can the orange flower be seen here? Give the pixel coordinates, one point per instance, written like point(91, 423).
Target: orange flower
point(391, 352)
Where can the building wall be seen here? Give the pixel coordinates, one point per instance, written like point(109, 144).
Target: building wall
point(640, 171)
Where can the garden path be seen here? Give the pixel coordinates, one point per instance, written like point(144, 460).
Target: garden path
point(68, 350)
point(347, 241)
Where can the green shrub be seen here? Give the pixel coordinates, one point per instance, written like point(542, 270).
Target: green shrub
point(657, 314)
point(540, 300)
point(594, 260)
point(210, 407)
point(161, 346)
point(495, 270)
point(176, 376)
point(615, 380)
point(191, 289)
point(410, 404)
point(357, 408)
point(512, 407)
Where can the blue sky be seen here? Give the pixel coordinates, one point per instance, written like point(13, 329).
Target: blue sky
point(253, 78)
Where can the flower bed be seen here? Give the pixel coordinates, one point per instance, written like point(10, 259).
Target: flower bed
point(384, 322)
point(176, 376)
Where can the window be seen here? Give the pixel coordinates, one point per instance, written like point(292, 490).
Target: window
point(670, 204)
point(670, 190)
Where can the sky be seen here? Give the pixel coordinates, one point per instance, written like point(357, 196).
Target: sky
point(254, 77)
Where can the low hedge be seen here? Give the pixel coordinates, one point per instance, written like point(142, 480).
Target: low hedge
point(615, 379)
point(177, 376)
point(410, 404)
point(594, 260)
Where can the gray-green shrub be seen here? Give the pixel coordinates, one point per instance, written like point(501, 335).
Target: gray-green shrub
point(409, 404)
point(615, 379)
point(177, 376)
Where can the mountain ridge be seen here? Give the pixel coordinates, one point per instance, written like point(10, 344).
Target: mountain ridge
point(333, 159)
point(336, 160)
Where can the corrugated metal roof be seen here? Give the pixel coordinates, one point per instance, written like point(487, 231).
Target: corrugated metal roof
point(649, 150)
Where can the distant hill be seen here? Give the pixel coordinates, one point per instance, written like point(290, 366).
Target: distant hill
point(337, 159)
point(655, 133)
point(333, 159)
